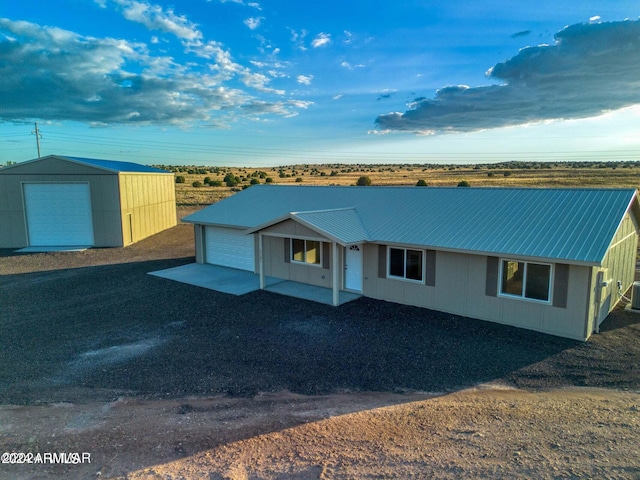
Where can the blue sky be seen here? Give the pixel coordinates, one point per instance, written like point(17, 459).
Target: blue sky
point(266, 82)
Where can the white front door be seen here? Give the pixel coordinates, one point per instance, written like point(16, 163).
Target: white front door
point(353, 268)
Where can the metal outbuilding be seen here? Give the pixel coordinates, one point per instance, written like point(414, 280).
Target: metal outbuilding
point(60, 201)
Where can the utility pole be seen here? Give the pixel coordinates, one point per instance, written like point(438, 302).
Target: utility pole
point(36, 132)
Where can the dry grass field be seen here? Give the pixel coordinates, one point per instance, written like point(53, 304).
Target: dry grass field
point(515, 174)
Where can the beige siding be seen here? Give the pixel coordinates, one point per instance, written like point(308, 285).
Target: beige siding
point(53, 166)
point(104, 201)
point(618, 265)
point(148, 205)
point(460, 289)
point(293, 229)
point(276, 266)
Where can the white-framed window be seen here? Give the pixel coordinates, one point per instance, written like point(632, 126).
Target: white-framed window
point(308, 252)
point(528, 280)
point(406, 264)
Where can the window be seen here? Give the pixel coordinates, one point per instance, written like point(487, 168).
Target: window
point(406, 263)
point(305, 251)
point(526, 280)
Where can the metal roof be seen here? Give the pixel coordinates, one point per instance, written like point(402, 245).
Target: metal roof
point(115, 165)
point(342, 225)
point(573, 225)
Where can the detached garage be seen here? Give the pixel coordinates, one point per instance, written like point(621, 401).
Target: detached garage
point(58, 201)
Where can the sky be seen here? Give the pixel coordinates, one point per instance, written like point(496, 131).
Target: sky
point(277, 82)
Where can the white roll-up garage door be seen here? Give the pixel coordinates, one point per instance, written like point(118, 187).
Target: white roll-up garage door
point(58, 214)
point(230, 248)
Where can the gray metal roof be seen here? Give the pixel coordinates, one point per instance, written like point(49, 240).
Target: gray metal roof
point(573, 225)
point(343, 225)
point(115, 165)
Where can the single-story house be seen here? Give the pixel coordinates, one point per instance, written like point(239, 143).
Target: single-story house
point(551, 260)
point(58, 201)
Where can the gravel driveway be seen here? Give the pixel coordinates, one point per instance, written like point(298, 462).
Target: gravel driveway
point(93, 325)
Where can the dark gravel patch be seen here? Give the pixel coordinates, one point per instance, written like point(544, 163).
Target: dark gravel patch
point(96, 332)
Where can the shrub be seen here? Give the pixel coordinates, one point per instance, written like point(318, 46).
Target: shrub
point(207, 180)
point(422, 183)
point(268, 180)
point(180, 179)
point(254, 181)
point(299, 180)
point(363, 181)
point(197, 183)
point(491, 174)
point(464, 183)
point(215, 183)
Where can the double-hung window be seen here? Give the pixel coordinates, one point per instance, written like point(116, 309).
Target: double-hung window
point(526, 280)
point(305, 251)
point(406, 263)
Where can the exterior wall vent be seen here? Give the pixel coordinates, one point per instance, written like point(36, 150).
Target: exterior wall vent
point(635, 296)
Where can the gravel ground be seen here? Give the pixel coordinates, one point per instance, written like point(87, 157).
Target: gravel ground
point(92, 325)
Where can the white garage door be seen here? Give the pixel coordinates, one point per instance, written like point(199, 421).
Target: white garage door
point(230, 248)
point(58, 214)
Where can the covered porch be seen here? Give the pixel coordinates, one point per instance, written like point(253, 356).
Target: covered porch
point(240, 282)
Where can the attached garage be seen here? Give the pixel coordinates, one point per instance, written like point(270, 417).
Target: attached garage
point(58, 201)
point(229, 247)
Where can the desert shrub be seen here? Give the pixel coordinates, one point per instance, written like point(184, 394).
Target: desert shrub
point(215, 183)
point(180, 179)
point(491, 174)
point(363, 181)
point(197, 184)
point(422, 183)
point(207, 180)
point(254, 181)
point(464, 183)
point(268, 180)
point(298, 180)
point(230, 180)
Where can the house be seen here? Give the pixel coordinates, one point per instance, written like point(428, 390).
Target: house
point(551, 260)
point(59, 201)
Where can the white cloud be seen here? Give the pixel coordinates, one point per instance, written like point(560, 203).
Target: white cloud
point(241, 2)
point(53, 74)
point(348, 66)
point(321, 40)
point(154, 17)
point(298, 38)
point(592, 68)
point(304, 79)
point(253, 22)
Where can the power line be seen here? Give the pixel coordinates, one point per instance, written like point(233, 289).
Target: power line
point(38, 136)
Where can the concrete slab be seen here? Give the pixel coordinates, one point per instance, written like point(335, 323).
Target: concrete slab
point(240, 282)
point(311, 292)
point(214, 277)
point(69, 248)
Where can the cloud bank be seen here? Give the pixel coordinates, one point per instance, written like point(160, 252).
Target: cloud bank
point(54, 74)
point(591, 68)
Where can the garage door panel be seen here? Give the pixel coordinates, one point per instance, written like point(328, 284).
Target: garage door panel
point(229, 247)
point(58, 214)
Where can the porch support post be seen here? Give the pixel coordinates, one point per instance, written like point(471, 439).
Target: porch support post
point(335, 271)
point(260, 261)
